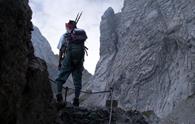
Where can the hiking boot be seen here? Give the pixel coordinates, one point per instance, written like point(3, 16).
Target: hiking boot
point(76, 102)
point(59, 98)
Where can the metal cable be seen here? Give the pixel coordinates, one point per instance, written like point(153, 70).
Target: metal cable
point(87, 92)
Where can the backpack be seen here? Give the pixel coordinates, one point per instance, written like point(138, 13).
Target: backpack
point(77, 36)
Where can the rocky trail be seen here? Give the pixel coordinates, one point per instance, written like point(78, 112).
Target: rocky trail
point(110, 114)
point(81, 115)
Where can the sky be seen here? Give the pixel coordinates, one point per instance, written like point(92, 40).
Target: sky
point(50, 17)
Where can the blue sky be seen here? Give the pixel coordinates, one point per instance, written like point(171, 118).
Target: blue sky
point(50, 16)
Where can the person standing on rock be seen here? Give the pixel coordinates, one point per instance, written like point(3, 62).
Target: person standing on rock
point(71, 57)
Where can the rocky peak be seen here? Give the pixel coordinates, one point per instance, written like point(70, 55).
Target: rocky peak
point(43, 48)
point(151, 65)
point(107, 33)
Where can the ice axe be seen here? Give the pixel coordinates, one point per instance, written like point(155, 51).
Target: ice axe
point(78, 17)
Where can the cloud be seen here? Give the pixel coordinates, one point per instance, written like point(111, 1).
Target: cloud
point(50, 16)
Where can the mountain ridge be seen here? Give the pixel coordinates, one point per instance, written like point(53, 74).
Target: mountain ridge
point(147, 55)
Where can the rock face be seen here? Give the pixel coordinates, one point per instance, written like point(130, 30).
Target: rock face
point(182, 114)
point(25, 93)
point(147, 55)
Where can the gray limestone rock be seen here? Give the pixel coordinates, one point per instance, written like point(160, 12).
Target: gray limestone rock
point(147, 55)
point(183, 113)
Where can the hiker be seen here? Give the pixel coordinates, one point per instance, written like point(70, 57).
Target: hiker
point(71, 57)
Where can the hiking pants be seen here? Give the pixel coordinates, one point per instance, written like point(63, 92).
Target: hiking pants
point(71, 64)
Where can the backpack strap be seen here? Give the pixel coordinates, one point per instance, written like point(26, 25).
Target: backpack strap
point(85, 49)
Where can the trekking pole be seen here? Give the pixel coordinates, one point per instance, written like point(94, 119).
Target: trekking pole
point(111, 102)
point(66, 92)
